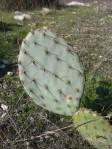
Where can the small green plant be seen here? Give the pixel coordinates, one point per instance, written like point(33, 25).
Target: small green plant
point(53, 76)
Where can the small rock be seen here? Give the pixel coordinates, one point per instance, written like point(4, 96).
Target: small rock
point(31, 119)
point(32, 137)
point(45, 11)
point(18, 12)
point(4, 107)
point(23, 17)
point(74, 12)
point(100, 56)
point(9, 73)
point(77, 4)
point(27, 16)
point(19, 17)
point(44, 27)
point(5, 86)
point(110, 16)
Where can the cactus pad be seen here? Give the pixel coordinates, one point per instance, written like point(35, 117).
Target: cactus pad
point(51, 72)
point(93, 128)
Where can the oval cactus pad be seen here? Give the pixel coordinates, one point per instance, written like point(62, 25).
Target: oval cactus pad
point(93, 128)
point(51, 72)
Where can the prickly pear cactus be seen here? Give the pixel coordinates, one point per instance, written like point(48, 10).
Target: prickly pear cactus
point(51, 72)
point(93, 128)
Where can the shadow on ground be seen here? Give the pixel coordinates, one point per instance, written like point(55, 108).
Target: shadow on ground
point(8, 68)
point(103, 101)
point(5, 27)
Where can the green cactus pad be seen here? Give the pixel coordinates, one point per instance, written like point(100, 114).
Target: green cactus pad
point(93, 128)
point(51, 72)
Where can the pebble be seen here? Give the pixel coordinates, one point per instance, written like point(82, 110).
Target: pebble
point(4, 107)
point(45, 11)
point(22, 17)
point(5, 86)
point(18, 12)
point(9, 73)
point(100, 56)
point(31, 119)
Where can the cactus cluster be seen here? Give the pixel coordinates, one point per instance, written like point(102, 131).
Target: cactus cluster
point(53, 76)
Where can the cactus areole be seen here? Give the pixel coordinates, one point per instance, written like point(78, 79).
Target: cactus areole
point(51, 72)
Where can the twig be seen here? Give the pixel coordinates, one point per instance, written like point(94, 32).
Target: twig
point(35, 137)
